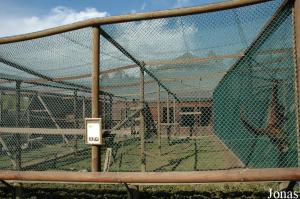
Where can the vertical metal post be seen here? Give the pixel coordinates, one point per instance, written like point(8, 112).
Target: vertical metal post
point(83, 108)
point(76, 117)
point(174, 116)
point(142, 120)
point(174, 111)
point(168, 117)
point(158, 119)
point(75, 111)
point(110, 112)
point(1, 108)
point(297, 61)
point(96, 153)
point(18, 137)
point(168, 110)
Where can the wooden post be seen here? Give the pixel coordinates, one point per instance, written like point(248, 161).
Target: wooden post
point(174, 111)
point(83, 108)
point(297, 63)
point(158, 119)
point(75, 111)
point(76, 118)
point(174, 116)
point(196, 155)
point(65, 139)
point(168, 118)
point(96, 153)
point(168, 109)
point(18, 136)
point(142, 120)
point(110, 112)
point(1, 107)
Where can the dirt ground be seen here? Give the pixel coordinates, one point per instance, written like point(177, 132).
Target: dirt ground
point(53, 191)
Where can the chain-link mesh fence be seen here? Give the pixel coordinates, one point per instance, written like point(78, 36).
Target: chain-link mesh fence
point(199, 92)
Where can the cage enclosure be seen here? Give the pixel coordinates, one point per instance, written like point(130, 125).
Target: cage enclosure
point(204, 91)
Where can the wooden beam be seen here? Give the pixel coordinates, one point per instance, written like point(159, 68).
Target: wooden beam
point(234, 175)
point(123, 122)
point(40, 75)
point(18, 123)
point(41, 131)
point(181, 91)
point(190, 113)
point(96, 149)
point(8, 153)
point(169, 124)
point(142, 119)
point(51, 116)
point(155, 63)
point(141, 64)
point(158, 119)
point(107, 160)
point(132, 17)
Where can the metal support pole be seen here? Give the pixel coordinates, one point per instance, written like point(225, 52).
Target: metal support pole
point(83, 108)
point(18, 136)
point(168, 109)
point(297, 60)
point(75, 111)
point(76, 117)
point(158, 119)
point(142, 120)
point(168, 118)
point(96, 153)
point(174, 111)
point(110, 112)
point(174, 116)
point(1, 107)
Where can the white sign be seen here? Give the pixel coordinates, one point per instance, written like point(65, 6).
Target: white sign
point(93, 131)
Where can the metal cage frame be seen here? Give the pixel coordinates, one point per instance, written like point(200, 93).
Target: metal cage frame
point(236, 175)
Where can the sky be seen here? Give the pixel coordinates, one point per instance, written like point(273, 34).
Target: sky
point(20, 16)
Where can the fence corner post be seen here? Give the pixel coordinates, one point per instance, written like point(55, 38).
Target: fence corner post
point(142, 120)
point(158, 119)
point(297, 63)
point(96, 149)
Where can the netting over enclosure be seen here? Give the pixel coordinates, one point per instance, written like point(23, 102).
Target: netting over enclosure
point(198, 92)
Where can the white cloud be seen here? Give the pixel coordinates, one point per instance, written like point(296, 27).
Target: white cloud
point(151, 40)
point(181, 3)
point(56, 17)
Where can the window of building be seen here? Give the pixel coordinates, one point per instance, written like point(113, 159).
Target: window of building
point(187, 119)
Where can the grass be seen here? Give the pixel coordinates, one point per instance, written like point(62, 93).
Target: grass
point(221, 190)
point(175, 155)
point(188, 155)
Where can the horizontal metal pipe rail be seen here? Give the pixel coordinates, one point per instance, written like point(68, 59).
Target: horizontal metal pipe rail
point(238, 175)
point(131, 17)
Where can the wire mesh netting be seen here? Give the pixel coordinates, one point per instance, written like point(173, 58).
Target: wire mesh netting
point(199, 92)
